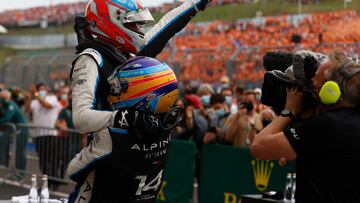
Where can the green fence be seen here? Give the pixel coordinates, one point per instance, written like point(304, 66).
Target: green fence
point(179, 173)
point(228, 172)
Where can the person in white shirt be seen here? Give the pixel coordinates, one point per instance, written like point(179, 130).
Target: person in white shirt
point(44, 107)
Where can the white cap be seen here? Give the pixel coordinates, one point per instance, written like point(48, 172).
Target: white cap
point(258, 90)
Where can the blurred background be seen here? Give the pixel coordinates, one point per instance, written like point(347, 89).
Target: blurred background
point(218, 61)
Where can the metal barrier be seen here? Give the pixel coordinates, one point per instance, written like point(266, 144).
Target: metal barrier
point(28, 149)
point(54, 150)
point(8, 134)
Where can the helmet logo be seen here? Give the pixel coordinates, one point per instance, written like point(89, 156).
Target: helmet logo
point(150, 96)
point(120, 39)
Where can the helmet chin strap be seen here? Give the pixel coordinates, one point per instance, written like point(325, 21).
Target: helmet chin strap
point(80, 28)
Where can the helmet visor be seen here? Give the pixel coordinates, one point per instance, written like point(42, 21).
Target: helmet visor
point(141, 16)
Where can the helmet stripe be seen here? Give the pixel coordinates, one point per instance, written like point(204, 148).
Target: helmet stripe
point(153, 103)
point(152, 88)
point(136, 82)
point(143, 99)
point(127, 4)
point(144, 71)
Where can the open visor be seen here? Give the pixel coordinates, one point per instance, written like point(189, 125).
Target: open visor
point(141, 16)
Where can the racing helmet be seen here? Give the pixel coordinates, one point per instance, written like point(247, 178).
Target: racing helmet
point(119, 22)
point(144, 83)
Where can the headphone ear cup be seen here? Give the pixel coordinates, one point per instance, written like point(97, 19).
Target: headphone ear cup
point(330, 93)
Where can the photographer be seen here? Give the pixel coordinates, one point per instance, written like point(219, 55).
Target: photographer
point(241, 128)
point(216, 116)
point(324, 140)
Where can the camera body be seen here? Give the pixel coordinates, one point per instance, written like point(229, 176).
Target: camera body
point(273, 92)
point(297, 74)
point(247, 105)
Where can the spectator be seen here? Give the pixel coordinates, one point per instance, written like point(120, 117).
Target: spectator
point(204, 92)
point(267, 116)
point(19, 96)
point(44, 107)
point(224, 83)
point(229, 99)
point(239, 93)
point(181, 129)
point(238, 129)
point(63, 96)
point(216, 115)
point(11, 113)
point(251, 104)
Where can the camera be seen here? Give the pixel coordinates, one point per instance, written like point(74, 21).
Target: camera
point(286, 70)
point(247, 105)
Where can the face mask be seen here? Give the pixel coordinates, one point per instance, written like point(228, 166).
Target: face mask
point(258, 97)
point(220, 112)
point(42, 93)
point(64, 97)
point(266, 122)
point(205, 100)
point(228, 100)
point(224, 85)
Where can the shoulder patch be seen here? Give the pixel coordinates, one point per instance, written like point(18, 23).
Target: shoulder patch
point(95, 54)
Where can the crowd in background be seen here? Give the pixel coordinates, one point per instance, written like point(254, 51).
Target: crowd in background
point(213, 113)
point(64, 13)
point(219, 45)
point(54, 14)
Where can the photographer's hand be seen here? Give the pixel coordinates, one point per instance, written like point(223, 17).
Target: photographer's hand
point(294, 101)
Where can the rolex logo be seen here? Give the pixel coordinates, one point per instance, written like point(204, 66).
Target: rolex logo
point(262, 171)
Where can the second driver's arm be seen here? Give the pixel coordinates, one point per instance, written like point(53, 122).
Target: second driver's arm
point(170, 24)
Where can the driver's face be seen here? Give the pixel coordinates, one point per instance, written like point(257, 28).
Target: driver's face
point(136, 27)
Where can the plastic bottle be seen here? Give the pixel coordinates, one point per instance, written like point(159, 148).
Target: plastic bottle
point(288, 188)
point(33, 194)
point(44, 194)
point(293, 188)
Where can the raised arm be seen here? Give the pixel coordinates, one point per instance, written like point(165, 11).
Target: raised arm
point(170, 24)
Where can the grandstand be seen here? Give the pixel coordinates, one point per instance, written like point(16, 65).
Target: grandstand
point(229, 39)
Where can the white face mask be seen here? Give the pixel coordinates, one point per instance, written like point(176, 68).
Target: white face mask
point(42, 93)
point(64, 97)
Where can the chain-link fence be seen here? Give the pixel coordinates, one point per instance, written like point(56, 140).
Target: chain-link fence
point(241, 64)
point(24, 70)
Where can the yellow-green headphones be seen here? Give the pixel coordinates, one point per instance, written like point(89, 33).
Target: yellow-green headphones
point(330, 92)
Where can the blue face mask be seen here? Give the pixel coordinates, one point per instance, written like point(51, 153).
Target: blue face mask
point(42, 93)
point(220, 112)
point(228, 100)
point(205, 100)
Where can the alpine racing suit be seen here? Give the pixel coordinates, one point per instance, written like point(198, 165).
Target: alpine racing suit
point(113, 145)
